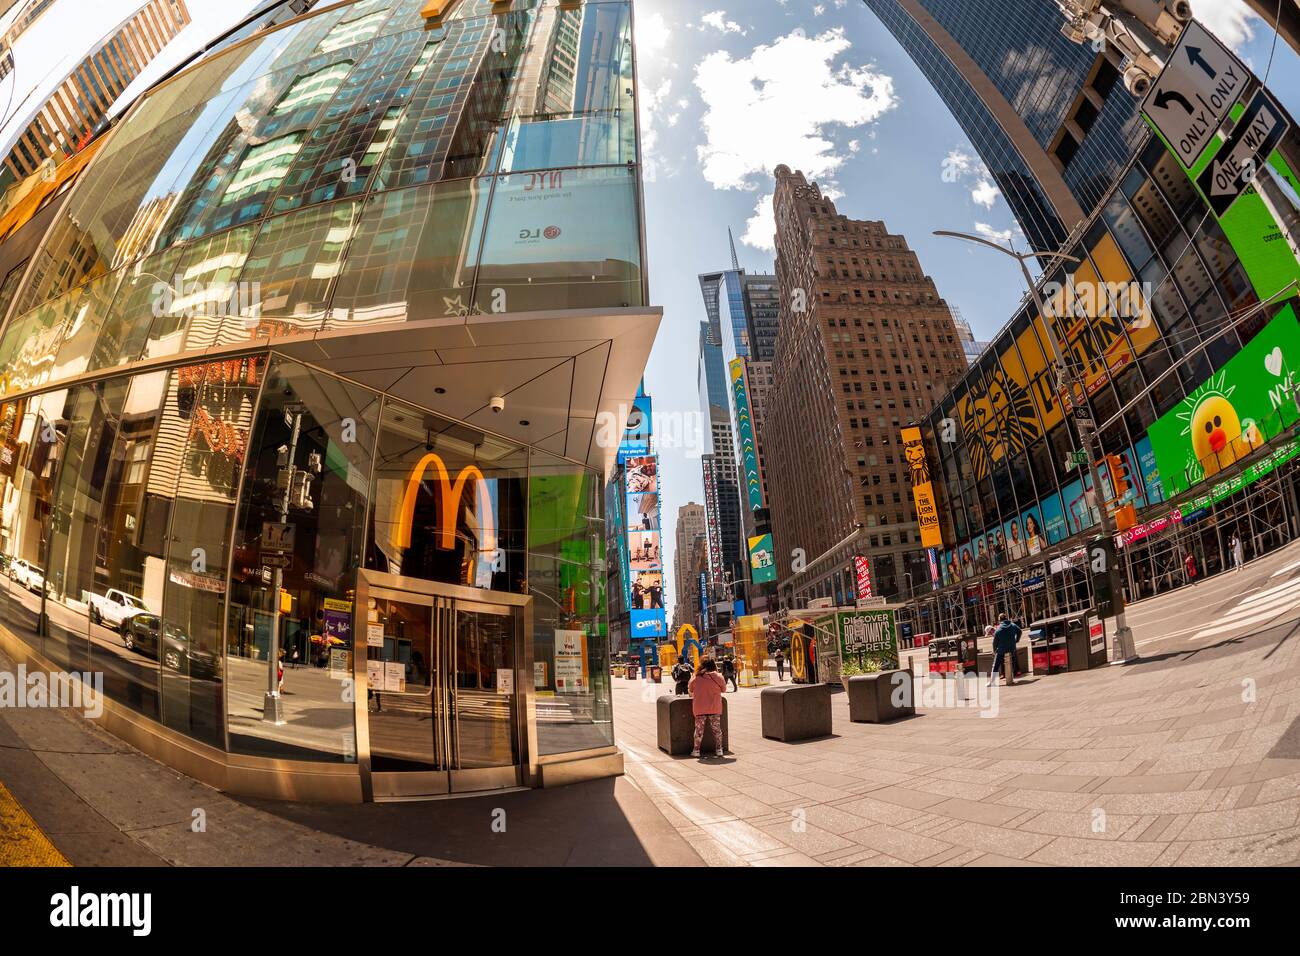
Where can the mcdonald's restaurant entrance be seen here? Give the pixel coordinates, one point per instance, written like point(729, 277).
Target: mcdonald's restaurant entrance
point(447, 707)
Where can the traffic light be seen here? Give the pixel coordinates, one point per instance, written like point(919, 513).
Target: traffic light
point(1119, 476)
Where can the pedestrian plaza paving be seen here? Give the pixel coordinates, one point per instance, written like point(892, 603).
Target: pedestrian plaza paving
point(1190, 757)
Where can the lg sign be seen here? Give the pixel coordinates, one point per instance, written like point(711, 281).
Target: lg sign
point(550, 232)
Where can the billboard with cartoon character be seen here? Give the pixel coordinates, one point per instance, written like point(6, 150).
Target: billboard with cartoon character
point(1239, 408)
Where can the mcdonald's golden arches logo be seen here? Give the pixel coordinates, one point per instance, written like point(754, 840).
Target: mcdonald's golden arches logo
point(449, 496)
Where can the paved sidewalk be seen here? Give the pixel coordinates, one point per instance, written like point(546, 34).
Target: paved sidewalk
point(72, 793)
point(1169, 761)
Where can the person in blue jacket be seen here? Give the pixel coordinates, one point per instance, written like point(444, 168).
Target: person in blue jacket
point(1005, 638)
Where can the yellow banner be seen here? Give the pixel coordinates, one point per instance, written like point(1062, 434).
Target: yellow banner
point(927, 512)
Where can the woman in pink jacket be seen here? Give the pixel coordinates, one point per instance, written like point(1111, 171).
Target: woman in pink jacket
point(707, 687)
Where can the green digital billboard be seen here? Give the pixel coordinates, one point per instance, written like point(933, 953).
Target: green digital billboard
point(1236, 411)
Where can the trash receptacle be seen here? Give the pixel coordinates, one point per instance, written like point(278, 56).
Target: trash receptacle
point(657, 674)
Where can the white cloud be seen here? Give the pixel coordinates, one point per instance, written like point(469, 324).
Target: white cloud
point(1230, 20)
point(652, 33)
point(997, 235)
point(718, 20)
point(960, 166)
point(775, 106)
point(760, 228)
point(654, 96)
point(651, 36)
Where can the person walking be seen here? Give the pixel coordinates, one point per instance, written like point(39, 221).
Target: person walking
point(1238, 552)
point(706, 689)
point(1005, 639)
point(681, 677)
point(780, 665)
point(729, 673)
point(1189, 564)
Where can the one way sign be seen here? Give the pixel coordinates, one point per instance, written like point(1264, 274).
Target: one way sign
point(1257, 133)
point(1190, 99)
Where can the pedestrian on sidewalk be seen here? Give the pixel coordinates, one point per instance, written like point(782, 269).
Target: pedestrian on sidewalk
point(1238, 552)
point(681, 677)
point(780, 665)
point(1005, 639)
point(1189, 564)
point(729, 673)
point(707, 688)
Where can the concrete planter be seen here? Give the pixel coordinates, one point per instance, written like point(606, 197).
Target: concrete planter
point(871, 697)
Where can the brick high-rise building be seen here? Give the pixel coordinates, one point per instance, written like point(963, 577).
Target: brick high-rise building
point(866, 345)
point(690, 525)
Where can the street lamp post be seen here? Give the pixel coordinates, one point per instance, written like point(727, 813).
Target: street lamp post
point(1067, 379)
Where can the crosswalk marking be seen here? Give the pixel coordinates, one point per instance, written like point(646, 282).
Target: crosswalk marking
point(1257, 608)
point(1286, 570)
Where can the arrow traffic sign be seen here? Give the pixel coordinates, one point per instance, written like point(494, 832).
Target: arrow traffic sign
point(1233, 168)
point(1191, 97)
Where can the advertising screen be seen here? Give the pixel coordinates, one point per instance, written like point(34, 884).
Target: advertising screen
point(762, 559)
point(1234, 412)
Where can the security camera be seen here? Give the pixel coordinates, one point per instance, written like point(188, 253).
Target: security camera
point(1137, 81)
point(497, 403)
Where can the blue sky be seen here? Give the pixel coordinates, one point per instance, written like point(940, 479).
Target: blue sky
point(732, 88)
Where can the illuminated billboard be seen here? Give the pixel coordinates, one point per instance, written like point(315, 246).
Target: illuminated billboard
point(1237, 410)
point(762, 559)
point(745, 434)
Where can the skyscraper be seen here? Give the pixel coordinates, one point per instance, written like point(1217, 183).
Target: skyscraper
point(690, 525)
point(1050, 118)
point(743, 319)
point(866, 346)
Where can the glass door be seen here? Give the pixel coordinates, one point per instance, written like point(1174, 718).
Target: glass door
point(444, 710)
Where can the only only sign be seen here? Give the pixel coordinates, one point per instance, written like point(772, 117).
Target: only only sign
point(1190, 99)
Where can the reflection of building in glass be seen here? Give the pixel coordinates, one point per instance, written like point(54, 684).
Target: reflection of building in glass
point(73, 110)
point(301, 384)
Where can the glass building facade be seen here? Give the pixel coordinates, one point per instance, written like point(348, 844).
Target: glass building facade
point(1081, 124)
point(213, 492)
point(1183, 326)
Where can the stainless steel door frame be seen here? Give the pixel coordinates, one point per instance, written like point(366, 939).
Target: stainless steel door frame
point(443, 600)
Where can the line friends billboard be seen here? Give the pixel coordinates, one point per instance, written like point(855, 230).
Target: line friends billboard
point(1238, 409)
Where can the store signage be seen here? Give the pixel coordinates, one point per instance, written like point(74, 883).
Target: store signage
point(449, 496)
point(862, 572)
point(1234, 167)
point(745, 433)
point(927, 513)
point(571, 675)
point(1191, 97)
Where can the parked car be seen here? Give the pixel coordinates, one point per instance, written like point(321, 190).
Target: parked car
point(140, 633)
point(27, 574)
point(180, 655)
point(114, 607)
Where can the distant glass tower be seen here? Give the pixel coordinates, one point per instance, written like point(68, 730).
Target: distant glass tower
point(1051, 119)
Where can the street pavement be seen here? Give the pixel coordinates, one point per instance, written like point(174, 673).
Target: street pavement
point(1190, 756)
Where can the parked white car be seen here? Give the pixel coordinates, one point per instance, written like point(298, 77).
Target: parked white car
point(27, 574)
point(114, 607)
